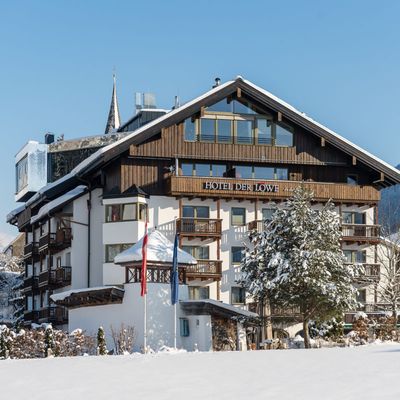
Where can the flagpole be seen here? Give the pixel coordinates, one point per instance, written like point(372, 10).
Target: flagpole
point(175, 326)
point(145, 325)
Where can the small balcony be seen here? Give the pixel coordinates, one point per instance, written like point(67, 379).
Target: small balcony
point(55, 241)
point(205, 269)
point(55, 278)
point(361, 233)
point(53, 314)
point(371, 272)
point(256, 225)
point(202, 228)
point(31, 283)
point(31, 250)
point(373, 311)
point(31, 316)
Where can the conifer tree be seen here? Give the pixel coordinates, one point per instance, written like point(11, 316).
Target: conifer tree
point(297, 262)
point(49, 341)
point(101, 342)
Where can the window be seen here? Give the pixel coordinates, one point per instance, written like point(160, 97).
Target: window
point(198, 252)
point(221, 106)
point(199, 292)
point(284, 135)
point(187, 169)
point(112, 250)
point(237, 254)
point(238, 295)
point(184, 327)
point(353, 217)
point(126, 212)
point(238, 216)
point(268, 173)
point(243, 107)
point(264, 131)
point(267, 213)
point(190, 130)
point(355, 256)
point(244, 132)
point(200, 169)
point(362, 295)
point(207, 130)
point(352, 179)
point(224, 131)
point(218, 170)
point(195, 212)
point(21, 174)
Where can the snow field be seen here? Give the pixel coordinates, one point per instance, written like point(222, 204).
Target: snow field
point(366, 372)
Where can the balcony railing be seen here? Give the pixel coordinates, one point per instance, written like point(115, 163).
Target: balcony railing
point(361, 232)
point(373, 311)
point(57, 277)
point(57, 241)
point(199, 227)
point(257, 225)
point(209, 269)
point(31, 316)
point(55, 314)
point(31, 283)
point(285, 311)
point(370, 271)
point(31, 249)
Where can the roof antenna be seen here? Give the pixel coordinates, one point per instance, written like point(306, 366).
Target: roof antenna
point(177, 103)
point(217, 82)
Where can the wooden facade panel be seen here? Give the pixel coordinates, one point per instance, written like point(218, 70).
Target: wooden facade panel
point(196, 186)
point(307, 150)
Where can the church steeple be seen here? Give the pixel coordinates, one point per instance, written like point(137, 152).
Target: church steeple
point(113, 121)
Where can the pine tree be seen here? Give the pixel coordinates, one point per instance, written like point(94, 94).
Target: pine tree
point(297, 262)
point(101, 342)
point(49, 341)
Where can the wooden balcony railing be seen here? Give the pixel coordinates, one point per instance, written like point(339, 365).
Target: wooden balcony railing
point(31, 316)
point(257, 225)
point(207, 269)
point(56, 241)
point(31, 283)
point(55, 314)
point(31, 249)
point(370, 271)
point(57, 277)
point(285, 311)
point(373, 311)
point(155, 274)
point(361, 233)
point(199, 227)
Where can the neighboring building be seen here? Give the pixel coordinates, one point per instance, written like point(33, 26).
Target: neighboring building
point(211, 170)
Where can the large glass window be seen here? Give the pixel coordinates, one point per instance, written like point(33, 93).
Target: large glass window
point(238, 216)
point(195, 212)
point(207, 130)
point(264, 173)
point(203, 169)
point(218, 170)
point(267, 213)
point(190, 130)
point(244, 171)
point(253, 172)
point(199, 292)
point(238, 295)
point(200, 169)
point(355, 256)
point(281, 174)
point(112, 250)
point(244, 132)
point(242, 107)
point(264, 131)
point(126, 212)
point(221, 106)
point(237, 254)
point(224, 131)
point(284, 135)
point(187, 169)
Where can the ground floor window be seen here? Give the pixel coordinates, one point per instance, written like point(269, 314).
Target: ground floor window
point(184, 327)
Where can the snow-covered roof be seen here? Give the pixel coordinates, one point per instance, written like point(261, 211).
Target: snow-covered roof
point(58, 203)
point(159, 250)
point(12, 214)
point(63, 295)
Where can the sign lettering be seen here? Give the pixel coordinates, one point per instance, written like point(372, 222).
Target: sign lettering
point(261, 187)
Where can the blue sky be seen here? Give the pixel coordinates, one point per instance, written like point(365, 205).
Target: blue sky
point(337, 61)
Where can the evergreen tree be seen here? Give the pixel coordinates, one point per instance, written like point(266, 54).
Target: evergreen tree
point(297, 262)
point(49, 341)
point(101, 342)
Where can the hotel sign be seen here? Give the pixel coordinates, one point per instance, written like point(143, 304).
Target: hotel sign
point(241, 187)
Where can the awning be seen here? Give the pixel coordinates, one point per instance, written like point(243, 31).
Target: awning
point(216, 308)
point(87, 297)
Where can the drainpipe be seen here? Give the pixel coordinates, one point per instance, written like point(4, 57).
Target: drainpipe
point(89, 207)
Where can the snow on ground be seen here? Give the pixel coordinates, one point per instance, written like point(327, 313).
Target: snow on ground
point(366, 372)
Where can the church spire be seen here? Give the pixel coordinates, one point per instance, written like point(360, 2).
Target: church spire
point(113, 121)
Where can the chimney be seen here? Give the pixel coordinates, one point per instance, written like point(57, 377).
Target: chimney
point(49, 138)
point(217, 82)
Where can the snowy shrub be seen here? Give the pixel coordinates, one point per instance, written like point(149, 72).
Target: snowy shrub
point(123, 339)
point(385, 328)
point(331, 329)
point(101, 342)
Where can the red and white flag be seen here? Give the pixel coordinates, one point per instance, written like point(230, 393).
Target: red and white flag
point(143, 283)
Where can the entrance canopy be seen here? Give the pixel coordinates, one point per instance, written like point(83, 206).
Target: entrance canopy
point(159, 251)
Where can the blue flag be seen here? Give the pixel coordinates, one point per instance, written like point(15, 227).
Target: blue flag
point(174, 274)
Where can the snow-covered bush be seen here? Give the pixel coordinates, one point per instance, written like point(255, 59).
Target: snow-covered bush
point(332, 329)
point(101, 342)
point(123, 339)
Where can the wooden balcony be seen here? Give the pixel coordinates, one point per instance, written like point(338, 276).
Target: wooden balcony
point(285, 312)
point(205, 269)
point(55, 241)
point(256, 225)
point(373, 311)
point(55, 278)
point(31, 283)
point(31, 316)
point(193, 186)
point(31, 250)
point(53, 314)
point(155, 274)
point(361, 233)
point(371, 272)
point(203, 228)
